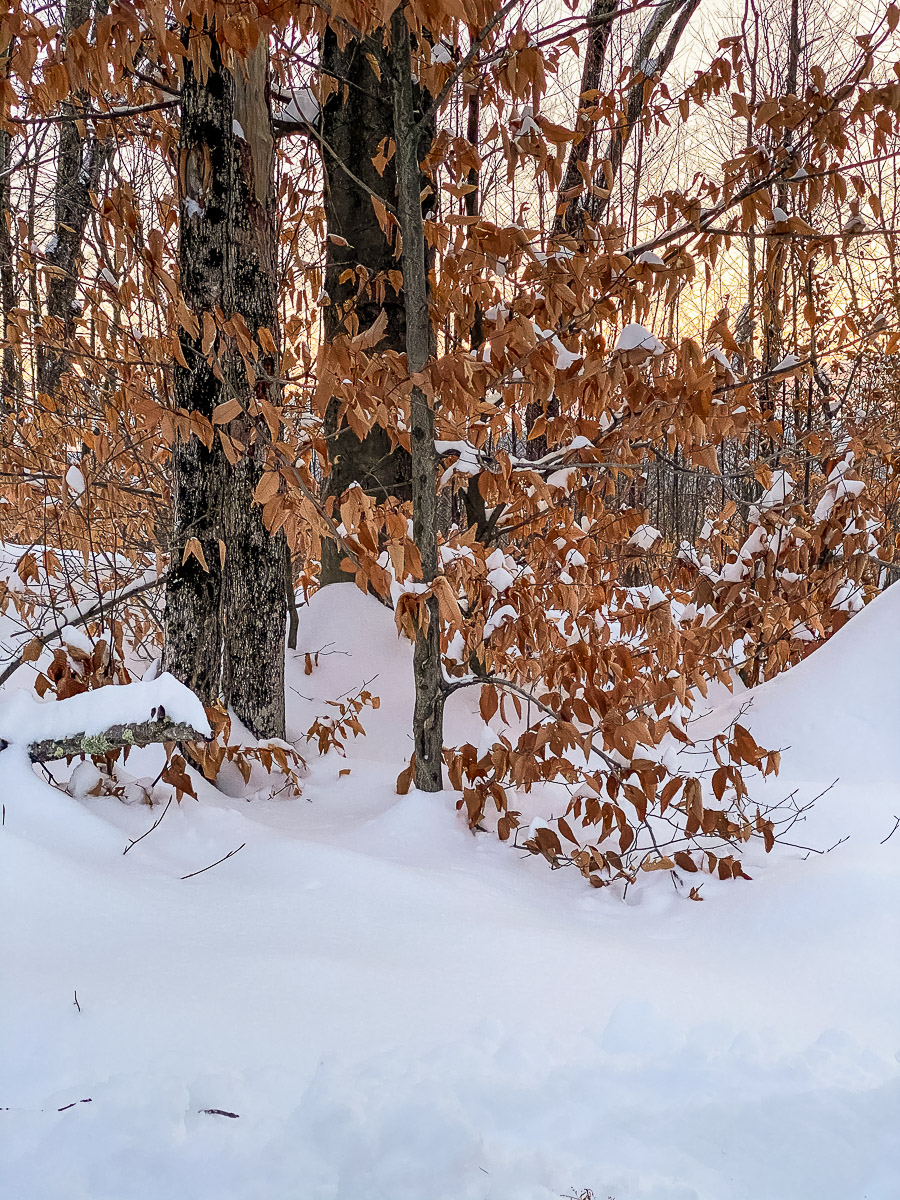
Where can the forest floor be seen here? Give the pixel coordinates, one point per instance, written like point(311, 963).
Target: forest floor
point(368, 1002)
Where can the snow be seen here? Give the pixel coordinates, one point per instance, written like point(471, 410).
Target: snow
point(300, 107)
point(397, 1009)
point(75, 481)
point(76, 639)
point(238, 130)
point(25, 719)
point(636, 337)
point(644, 537)
point(649, 257)
point(192, 208)
point(787, 363)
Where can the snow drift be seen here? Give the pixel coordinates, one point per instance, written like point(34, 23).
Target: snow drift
point(369, 1001)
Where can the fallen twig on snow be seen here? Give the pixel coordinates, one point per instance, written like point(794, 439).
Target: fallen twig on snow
point(224, 857)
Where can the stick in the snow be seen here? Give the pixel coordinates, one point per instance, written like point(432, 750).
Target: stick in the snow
point(230, 854)
point(135, 841)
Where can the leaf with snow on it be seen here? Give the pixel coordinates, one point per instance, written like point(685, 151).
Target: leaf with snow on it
point(719, 357)
point(788, 363)
point(76, 639)
point(75, 481)
point(644, 537)
point(636, 337)
point(782, 486)
point(499, 618)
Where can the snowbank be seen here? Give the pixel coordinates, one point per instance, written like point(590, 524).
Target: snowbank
point(25, 719)
point(396, 1009)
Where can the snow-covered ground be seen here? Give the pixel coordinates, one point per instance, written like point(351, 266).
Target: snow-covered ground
point(396, 1009)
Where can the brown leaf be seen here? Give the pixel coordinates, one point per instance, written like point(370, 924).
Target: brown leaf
point(32, 651)
point(192, 547)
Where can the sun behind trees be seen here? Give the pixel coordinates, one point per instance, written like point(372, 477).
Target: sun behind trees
point(576, 345)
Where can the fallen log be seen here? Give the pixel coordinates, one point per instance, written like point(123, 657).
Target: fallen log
point(144, 733)
point(100, 721)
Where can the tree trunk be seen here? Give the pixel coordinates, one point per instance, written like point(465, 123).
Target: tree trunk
point(10, 375)
point(225, 608)
point(428, 717)
point(642, 67)
point(254, 601)
point(193, 614)
point(570, 209)
point(569, 216)
point(79, 162)
point(356, 121)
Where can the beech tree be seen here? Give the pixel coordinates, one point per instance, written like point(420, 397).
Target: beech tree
point(225, 598)
point(471, 305)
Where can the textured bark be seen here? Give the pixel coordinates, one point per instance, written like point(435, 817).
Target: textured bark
point(639, 66)
point(225, 621)
point(428, 716)
point(356, 120)
point(570, 207)
point(569, 217)
point(254, 602)
point(80, 160)
point(10, 379)
point(117, 737)
point(472, 499)
point(771, 300)
point(193, 613)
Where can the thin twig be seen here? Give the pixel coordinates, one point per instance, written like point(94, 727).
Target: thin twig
point(230, 854)
point(135, 841)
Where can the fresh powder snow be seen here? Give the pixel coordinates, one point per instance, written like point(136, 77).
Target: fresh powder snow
point(369, 1002)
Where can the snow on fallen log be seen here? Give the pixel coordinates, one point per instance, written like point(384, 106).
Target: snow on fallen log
point(109, 718)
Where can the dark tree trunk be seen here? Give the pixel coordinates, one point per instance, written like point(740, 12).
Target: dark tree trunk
point(641, 68)
point(357, 120)
point(570, 208)
point(80, 159)
point(428, 717)
point(254, 601)
point(569, 217)
point(193, 614)
point(10, 375)
point(225, 620)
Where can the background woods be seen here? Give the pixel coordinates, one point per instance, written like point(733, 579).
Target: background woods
point(569, 332)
